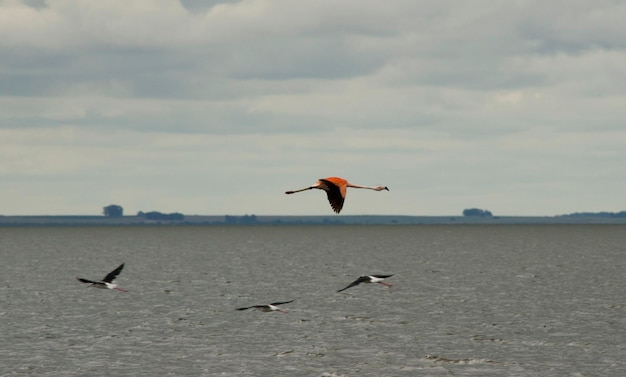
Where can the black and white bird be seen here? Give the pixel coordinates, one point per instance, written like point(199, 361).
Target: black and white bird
point(273, 307)
point(369, 279)
point(107, 282)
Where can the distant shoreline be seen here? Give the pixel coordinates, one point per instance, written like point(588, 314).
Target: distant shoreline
point(79, 220)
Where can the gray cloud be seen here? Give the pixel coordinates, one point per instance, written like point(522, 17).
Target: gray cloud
point(510, 97)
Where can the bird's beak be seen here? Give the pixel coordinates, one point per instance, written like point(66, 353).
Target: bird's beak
point(386, 188)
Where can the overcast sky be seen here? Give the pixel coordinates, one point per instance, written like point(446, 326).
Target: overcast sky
point(219, 107)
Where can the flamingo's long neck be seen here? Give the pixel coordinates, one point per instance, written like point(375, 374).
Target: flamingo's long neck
point(362, 187)
point(375, 188)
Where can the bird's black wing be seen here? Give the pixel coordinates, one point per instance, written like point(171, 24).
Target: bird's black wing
point(247, 307)
point(113, 274)
point(382, 276)
point(334, 195)
point(356, 282)
point(86, 281)
point(281, 303)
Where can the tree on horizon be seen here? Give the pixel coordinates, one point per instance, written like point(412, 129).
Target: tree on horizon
point(113, 210)
point(477, 212)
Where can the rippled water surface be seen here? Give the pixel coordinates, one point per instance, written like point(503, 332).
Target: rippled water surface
point(478, 300)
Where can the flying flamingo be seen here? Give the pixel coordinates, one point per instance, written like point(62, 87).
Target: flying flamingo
point(107, 282)
point(273, 307)
point(369, 279)
point(335, 188)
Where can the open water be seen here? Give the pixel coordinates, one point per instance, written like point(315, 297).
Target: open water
point(481, 300)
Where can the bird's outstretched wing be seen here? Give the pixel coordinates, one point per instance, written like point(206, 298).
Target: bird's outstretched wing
point(382, 276)
point(246, 308)
point(334, 195)
point(265, 306)
point(86, 281)
point(356, 282)
point(255, 307)
point(113, 274)
point(281, 303)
